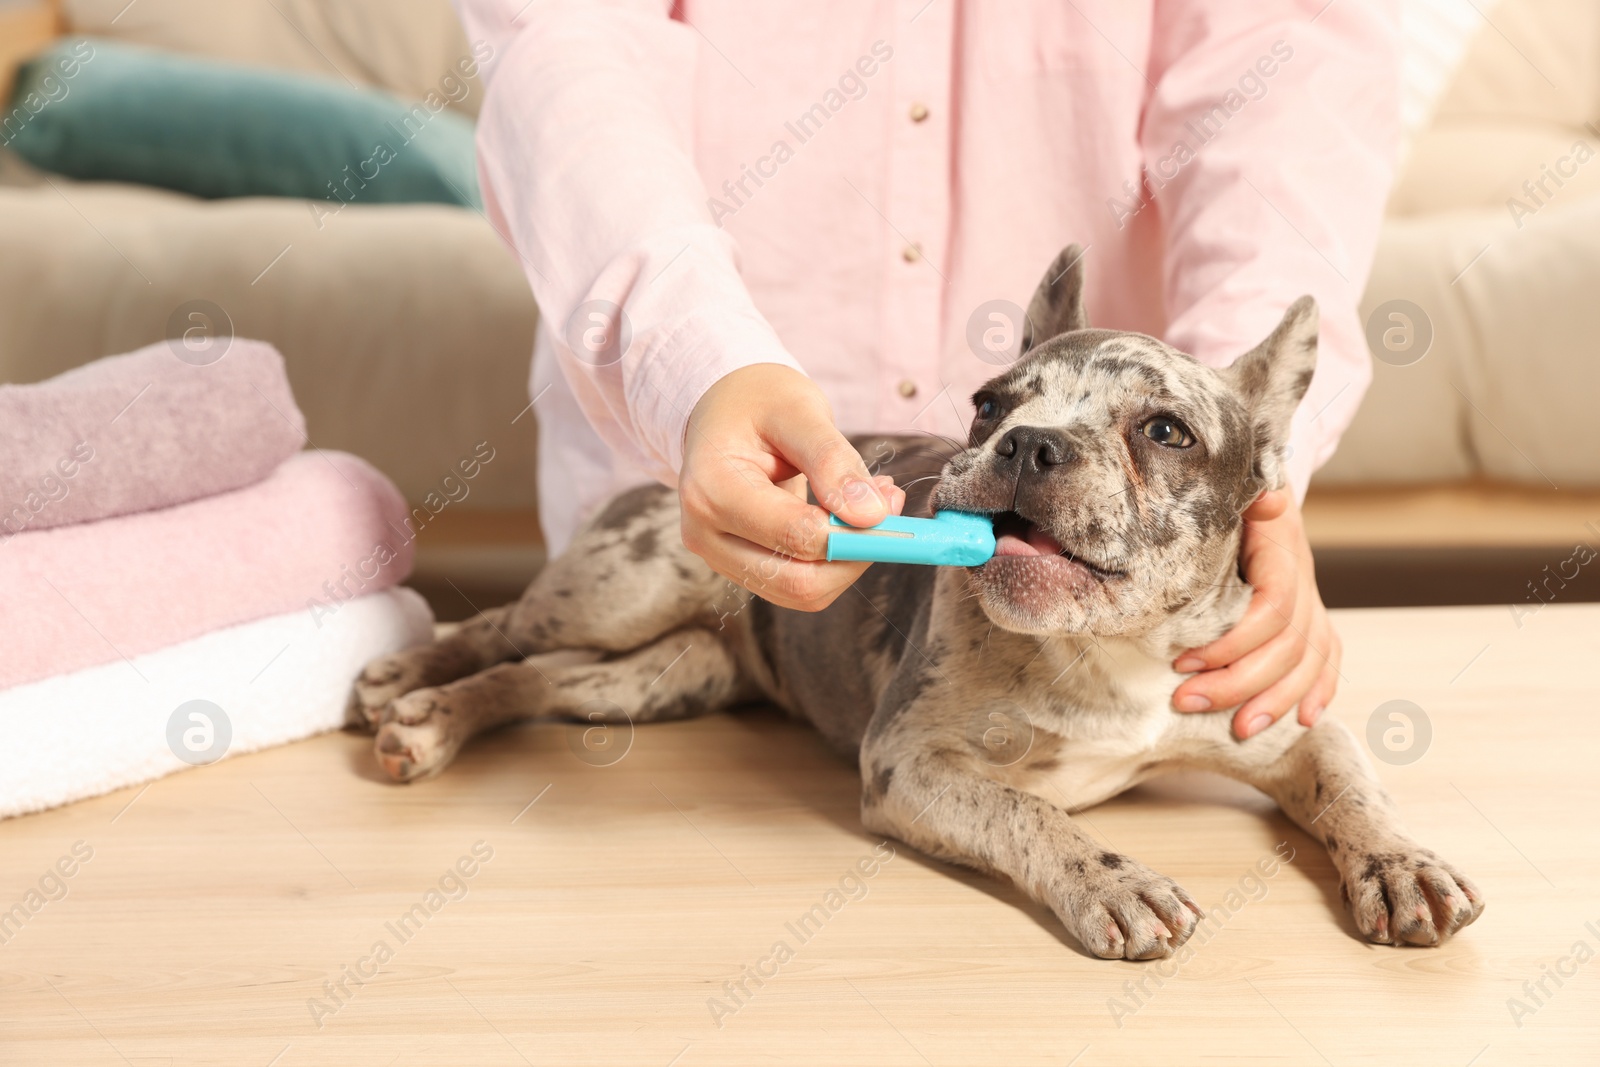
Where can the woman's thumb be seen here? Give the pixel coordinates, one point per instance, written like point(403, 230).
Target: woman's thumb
point(834, 469)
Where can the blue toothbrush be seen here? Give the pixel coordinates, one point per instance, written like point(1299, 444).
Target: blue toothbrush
point(949, 539)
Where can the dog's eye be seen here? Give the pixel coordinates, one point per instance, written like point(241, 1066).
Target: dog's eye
point(988, 408)
point(1168, 431)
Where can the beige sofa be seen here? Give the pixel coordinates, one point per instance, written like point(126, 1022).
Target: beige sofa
point(1506, 271)
point(385, 311)
point(382, 311)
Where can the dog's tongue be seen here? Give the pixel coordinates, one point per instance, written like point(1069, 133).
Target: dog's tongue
point(1035, 542)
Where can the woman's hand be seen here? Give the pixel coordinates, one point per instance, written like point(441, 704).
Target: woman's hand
point(755, 439)
point(1284, 650)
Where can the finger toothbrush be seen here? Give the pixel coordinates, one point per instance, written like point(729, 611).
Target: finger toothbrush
point(949, 539)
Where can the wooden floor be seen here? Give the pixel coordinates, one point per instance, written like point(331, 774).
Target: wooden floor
point(1470, 515)
point(218, 904)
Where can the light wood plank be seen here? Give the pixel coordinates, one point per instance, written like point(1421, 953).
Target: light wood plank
point(1459, 516)
point(219, 901)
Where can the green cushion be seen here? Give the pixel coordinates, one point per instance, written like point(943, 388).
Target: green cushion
point(103, 111)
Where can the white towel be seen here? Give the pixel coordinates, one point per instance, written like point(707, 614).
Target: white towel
point(275, 680)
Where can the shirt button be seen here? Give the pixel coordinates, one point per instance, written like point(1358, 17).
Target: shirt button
point(919, 112)
point(911, 253)
point(908, 388)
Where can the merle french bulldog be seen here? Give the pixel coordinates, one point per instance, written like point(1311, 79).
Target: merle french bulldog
point(984, 703)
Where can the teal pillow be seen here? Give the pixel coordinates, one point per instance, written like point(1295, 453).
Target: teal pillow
point(101, 111)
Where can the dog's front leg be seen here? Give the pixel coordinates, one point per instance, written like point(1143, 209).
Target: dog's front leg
point(939, 801)
point(1396, 890)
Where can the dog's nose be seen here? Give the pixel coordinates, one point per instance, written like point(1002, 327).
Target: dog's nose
point(1034, 449)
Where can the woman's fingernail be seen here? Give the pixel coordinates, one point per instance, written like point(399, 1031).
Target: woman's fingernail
point(1257, 724)
point(1193, 702)
point(1188, 664)
point(859, 492)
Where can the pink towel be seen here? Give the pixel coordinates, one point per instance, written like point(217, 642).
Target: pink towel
point(142, 431)
point(323, 528)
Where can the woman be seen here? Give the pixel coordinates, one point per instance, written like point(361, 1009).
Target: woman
point(752, 227)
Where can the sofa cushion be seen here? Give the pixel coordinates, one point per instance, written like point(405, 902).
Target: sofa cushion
point(410, 47)
point(406, 329)
point(1535, 61)
point(1526, 93)
point(127, 113)
point(1507, 386)
point(1497, 163)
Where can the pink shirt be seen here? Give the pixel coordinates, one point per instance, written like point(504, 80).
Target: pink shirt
point(845, 186)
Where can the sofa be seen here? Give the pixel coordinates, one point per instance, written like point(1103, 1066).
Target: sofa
point(1494, 234)
point(381, 310)
point(1489, 258)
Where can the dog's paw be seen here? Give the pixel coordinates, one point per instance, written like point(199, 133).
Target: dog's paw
point(382, 681)
point(1407, 895)
point(1121, 909)
point(416, 736)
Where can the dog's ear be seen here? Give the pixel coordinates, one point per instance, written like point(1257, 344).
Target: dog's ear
point(1057, 305)
point(1271, 378)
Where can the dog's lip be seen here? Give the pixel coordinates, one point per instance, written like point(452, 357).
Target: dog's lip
point(1019, 537)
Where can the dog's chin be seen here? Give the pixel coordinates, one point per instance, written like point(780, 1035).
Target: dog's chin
point(1039, 594)
point(1035, 584)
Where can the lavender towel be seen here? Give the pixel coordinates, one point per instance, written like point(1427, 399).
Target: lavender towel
point(143, 431)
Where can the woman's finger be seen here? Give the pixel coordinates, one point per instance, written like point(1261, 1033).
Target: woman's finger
point(835, 470)
point(730, 498)
point(1275, 700)
point(803, 585)
point(1275, 573)
point(1316, 701)
point(1250, 674)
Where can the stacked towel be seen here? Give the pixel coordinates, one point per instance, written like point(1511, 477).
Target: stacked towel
point(141, 431)
point(315, 533)
point(268, 682)
point(162, 539)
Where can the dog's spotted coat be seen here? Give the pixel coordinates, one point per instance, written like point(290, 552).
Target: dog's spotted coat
point(983, 704)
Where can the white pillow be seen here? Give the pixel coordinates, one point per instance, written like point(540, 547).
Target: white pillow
point(1434, 37)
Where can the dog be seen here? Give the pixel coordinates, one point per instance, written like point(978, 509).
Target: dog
point(983, 704)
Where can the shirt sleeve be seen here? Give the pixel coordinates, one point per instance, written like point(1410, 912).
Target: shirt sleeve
point(1269, 144)
point(585, 159)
